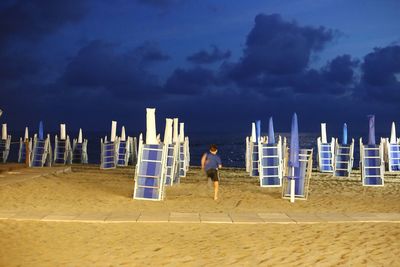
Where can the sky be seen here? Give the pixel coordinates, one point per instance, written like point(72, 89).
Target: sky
point(216, 65)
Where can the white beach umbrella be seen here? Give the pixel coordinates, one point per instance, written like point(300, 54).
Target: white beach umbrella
point(80, 138)
point(151, 136)
point(4, 131)
point(176, 126)
point(181, 132)
point(168, 131)
point(113, 130)
point(26, 136)
point(123, 135)
point(393, 134)
point(324, 139)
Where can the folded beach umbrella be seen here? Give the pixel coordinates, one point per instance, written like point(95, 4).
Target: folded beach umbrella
point(271, 133)
point(26, 136)
point(253, 133)
point(344, 140)
point(294, 143)
point(123, 134)
point(258, 130)
point(393, 139)
point(371, 130)
point(41, 134)
point(4, 134)
point(151, 136)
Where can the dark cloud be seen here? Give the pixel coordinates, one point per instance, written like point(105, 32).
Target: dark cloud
point(381, 75)
point(100, 65)
point(205, 57)
point(341, 70)
point(160, 3)
point(33, 19)
point(190, 82)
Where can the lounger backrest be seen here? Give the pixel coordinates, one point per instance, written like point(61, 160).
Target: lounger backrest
point(182, 160)
point(254, 159)
point(325, 156)
point(343, 159)
point(149, 178)
point(123, 153)
point(271, 164)
point(170, 164)
point(394, 157)
point(108, 158)
point(372, 165)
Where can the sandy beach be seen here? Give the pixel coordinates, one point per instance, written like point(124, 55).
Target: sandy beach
point(35, 243)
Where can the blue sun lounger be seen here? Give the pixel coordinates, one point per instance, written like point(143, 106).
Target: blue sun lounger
point(343, 163)
point(79, 152)
point(41, 152)
point(108, 155)
point(123, 153)
point(149, 176)
point(4, 149)
point(62, 151)
point(271, 164)
point(303, 176)
point(171, 175)
point(393, 154)
point(372, 164)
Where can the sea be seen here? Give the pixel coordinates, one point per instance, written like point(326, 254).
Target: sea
point(231, 146)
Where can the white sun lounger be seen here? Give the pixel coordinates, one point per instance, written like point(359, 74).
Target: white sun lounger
point(325, 151)
point(41, 152)
point(344, 158)
point(271, 164)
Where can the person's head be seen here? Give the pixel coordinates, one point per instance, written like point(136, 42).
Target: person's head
point(213, 149)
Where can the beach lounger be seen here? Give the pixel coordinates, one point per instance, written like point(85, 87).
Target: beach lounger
point(343, 163)
point(271, 164)
point(62, 151)
point(372, 164)
point(108, 155)
point(79, 152)
point(303, 176)
point(392, 151)
point(41, 152)
point(5, 142)
point(122, 148)
point(149, 175)
point(171, 175)
point(325, 151)
point(132, 151)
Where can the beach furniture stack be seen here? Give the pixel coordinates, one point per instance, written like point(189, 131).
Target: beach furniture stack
point(62, 147)
point(79, 149)
point(392, 151)
point(5, 142)
point(122, 146)
point(151, 165)
point(23, 142)
point(183, 151)
point(108, 149)
point(270, 159)
point(371, 159)
point(41, 151)
point(297, 183)
point(325, 151)
point(344, 156)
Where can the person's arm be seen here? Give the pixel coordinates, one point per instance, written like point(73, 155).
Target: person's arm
point(203, 161)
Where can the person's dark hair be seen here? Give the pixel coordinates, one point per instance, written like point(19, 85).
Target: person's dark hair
point(213, 148)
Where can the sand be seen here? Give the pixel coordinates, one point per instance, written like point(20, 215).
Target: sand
point(30, 243)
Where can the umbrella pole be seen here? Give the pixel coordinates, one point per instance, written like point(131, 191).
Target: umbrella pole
point(292, 187)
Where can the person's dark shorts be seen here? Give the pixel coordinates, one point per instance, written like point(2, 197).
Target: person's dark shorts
point(213, 174)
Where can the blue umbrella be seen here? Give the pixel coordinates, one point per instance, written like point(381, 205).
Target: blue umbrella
point(344, 141)
point(271, 134)
point(41, 130)
point(258, 129)
point(294, 143)
point(371, 133)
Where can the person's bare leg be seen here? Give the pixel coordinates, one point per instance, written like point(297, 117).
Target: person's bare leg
point(215, 190)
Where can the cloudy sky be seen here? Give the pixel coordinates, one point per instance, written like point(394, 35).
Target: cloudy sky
point(217, 65)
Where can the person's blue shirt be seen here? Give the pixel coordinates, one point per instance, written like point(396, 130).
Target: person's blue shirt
point(212, 162)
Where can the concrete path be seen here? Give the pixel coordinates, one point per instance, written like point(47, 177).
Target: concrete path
point(193, 217)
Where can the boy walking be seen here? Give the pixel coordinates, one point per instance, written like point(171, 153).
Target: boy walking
point(210, 163)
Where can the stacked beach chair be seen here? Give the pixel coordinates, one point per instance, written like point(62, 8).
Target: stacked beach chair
point(344, 156)
point(371, 159)
point(25, 145)
point(392, 151)
point(108, 149)
point(79, 149)
point(41, 151)
point(151, 165)
point(62, 147)
point(325, 151)
point(123, 149)
point(172, 161)
point(5, 142)
point(270, 160)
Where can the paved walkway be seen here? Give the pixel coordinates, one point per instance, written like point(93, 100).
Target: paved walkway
point(216, 218)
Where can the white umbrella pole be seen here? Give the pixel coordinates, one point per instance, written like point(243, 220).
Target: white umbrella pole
point(292, 186)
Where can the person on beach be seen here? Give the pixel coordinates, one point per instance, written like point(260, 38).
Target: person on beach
point(210, 163)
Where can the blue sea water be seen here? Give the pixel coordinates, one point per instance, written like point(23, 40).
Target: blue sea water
point(231, 146)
